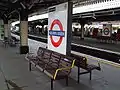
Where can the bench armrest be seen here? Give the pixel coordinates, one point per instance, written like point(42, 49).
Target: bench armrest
point(61, 69)
point(32, 55)
point(99, 65)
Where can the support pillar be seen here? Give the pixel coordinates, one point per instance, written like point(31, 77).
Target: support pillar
point(82, 23)
point(24, 48)
point(5, 28)
point(43, 29)
point(9, 29)
point(82, 31)
point(69, 29)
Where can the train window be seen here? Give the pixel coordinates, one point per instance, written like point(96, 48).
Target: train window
point(93, 33)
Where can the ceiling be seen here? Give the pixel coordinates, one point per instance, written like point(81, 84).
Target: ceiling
point(10, 8)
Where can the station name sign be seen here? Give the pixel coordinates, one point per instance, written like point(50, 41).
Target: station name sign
point(58, 20)
point(57, 33)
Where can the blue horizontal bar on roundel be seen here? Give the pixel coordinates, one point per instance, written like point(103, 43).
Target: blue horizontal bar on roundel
point(56, 33)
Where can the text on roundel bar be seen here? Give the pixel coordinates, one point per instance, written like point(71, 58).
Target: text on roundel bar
point(56, 33)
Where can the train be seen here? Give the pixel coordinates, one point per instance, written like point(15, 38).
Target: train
point(92, 31)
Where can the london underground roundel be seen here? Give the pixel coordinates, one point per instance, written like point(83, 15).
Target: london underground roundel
point(106, 31)
point(59, 33)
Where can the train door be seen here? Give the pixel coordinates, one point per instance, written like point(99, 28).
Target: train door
point(95, 32)
point(118, 34)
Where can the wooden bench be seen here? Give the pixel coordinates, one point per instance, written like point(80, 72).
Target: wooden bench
point(81, 62)
point(55, 65)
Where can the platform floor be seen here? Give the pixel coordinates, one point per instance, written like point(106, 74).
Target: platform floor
point(15, 68)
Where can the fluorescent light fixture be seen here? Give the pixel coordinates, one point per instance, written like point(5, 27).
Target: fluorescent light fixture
point(97, 6)
point(36, 17)
point(87, 8)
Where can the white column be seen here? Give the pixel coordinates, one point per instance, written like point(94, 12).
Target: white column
point(24, 33)
point(5, 30)
point(24, 48)
point(9, 29)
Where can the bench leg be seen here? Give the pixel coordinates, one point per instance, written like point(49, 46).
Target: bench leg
point(90, 75)
point(5, 45)
point(66, 80)
point(51, 84)
point(30, 66)
point(78, 75)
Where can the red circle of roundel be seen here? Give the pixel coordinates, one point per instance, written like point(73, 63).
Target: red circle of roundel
point(56, 44)
point(106, 31)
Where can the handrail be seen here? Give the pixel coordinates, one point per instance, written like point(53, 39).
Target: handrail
point(26, 56)
point(59, 69)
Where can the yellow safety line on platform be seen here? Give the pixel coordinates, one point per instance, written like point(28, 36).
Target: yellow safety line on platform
point(108, 62)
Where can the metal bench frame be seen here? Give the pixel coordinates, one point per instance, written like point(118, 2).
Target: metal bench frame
point(61, 66)
point(81, 62)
